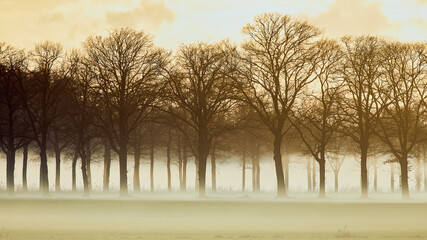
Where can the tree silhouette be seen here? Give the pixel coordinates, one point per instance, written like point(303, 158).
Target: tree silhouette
point(127, 67)
point(277, 63)
point(360, 72)
point(200, 86)
point(13, 120)
point(43, 96)
point(402, 92)
point(317, 120)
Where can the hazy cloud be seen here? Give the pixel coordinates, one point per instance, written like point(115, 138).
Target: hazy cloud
point(51, 17)
point(352, 17)
point(31, 5)
point(151, 14)
point(172, 22)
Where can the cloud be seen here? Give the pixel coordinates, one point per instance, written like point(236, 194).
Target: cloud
point(421, 23)
point(151, 14)
point(350, 17)
point(31, 5)
point(51, 18)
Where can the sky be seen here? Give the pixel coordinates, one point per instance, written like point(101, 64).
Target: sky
point(171, 23)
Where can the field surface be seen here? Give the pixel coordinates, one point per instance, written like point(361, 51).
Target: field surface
point(192, 218)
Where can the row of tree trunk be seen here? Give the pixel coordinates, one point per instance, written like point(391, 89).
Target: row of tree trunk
point(312, 169)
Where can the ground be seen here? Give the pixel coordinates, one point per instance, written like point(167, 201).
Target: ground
point(79, 218)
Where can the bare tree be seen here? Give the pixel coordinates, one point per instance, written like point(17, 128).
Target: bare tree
point(152, 139)
point(136, 140)
point(277, 64)
point(43, 96)
point(128, 70)
point(107, 164)
point(203, 92)
point(13, 125)
point(61, 133)
point(83, 114)
point(316, 121)
point(402, 93)
point(360, 72)
point(336, 155)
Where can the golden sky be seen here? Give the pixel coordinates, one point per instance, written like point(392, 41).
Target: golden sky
point(172, 22)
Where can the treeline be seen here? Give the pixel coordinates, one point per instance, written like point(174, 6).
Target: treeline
point(285, 88)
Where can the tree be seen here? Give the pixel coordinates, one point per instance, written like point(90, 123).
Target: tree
point(128, 68)
point(61, 132)
point(183, 150)
point(336, 156)
point(43, 96)
point(220, 146)
point(360, 72)
point(136, 140)
point(401, 96)
point(107, 164)
point(83, 113)
point(277, 63)
point(13, 127)
point(152, 138)
point(200, 86)
point(317, 120)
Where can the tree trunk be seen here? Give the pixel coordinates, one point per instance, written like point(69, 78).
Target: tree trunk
point(336, 172)
point(202, 175)
point(364, 170)
point(73, 172)
point(254, 187)
point(418, 173)
point(203, 149)
point(181, 186)
point(404, 175)
point(184, 169)
point(286, 167)
point(257, 167)
point(314, 174)
point(375, 175)
point(123, 169)
point(44, 180)
point(322, 178)
point(57, 169)
point(392, 177)
point(196, 183)
point(309, 180)
point(10, 157)
point(57, 161)
point(137, 158)
point(10, 154)
point(107, 164)
point(123, 142)
point(168, 160)
point(88, 160)
point(213, 169)
point(244, 168)
point(281, 189)
point(24, 167)
point(152, 165)
point(84, 174)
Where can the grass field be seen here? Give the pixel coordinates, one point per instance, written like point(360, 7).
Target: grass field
point(191, 218)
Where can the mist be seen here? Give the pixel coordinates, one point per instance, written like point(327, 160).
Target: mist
point(286, 134)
